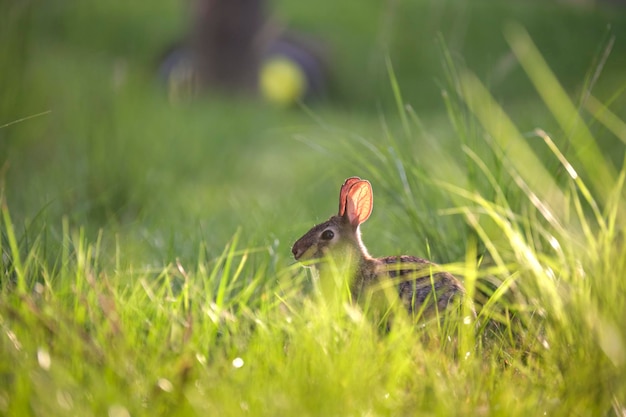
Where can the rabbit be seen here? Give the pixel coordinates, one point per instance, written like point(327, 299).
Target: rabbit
point(340, 237)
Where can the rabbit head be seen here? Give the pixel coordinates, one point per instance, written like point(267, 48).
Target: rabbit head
point(339, 236)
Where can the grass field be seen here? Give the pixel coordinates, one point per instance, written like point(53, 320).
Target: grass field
point(145, 245)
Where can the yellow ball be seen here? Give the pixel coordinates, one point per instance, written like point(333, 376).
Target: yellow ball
point(282, 81)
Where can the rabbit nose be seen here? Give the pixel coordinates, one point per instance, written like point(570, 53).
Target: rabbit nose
point(296, 252)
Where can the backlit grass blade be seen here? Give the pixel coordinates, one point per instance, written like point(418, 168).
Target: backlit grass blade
point(605, 116)
point(512, 144)
point(395, 87)
point(599, 169)
point(14, 249)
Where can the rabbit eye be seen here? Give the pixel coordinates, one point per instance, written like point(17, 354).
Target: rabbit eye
point(328, 234)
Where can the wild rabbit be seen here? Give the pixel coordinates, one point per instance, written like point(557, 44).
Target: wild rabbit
point(419, 283)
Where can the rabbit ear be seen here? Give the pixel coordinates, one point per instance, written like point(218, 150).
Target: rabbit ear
point(359, 202)
point(343, 194)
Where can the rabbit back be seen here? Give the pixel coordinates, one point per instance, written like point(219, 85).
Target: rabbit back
point(418, 286)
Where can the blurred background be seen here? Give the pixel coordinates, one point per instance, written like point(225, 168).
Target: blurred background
point(174, 122)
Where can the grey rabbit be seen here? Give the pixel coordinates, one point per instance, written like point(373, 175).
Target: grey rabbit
point(418, 286)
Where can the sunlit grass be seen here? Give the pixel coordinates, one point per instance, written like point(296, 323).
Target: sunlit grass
point(221, 322)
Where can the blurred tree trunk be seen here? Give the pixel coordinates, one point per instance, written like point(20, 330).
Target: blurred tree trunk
point(224, 43)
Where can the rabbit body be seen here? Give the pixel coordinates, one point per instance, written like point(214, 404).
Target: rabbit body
point(420, 285)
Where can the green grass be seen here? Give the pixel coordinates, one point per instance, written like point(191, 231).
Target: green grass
point(145, 264)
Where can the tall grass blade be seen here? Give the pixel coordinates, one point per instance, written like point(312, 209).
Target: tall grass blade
point(16, 258)
point(395, 87)
point(599, 169)
point(605, 116)
point(512, 144)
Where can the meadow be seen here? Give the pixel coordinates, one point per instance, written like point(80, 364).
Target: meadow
point(145, 244)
